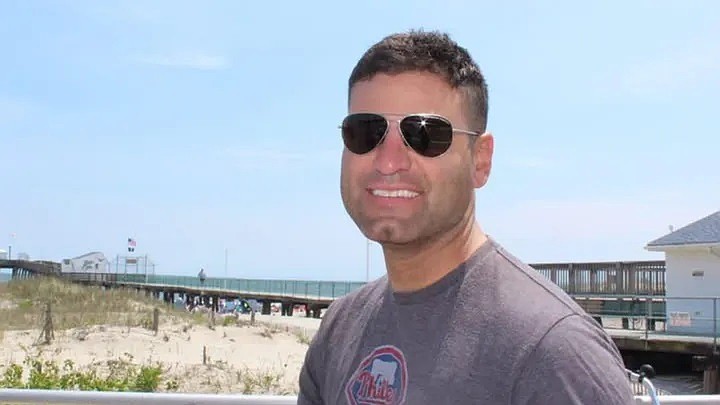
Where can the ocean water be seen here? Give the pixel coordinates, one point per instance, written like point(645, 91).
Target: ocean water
point(4, 277)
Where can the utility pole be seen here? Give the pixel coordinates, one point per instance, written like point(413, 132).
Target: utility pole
point(226, 261)
point(10, 245)
point(367, 260)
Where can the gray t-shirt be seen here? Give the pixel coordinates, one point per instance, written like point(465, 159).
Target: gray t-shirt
point(493, 331)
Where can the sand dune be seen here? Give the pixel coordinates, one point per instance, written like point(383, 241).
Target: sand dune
point(265, 358)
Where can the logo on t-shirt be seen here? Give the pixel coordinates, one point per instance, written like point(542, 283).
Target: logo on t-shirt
point(380, 379)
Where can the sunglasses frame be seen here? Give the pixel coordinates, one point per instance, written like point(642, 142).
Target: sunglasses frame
point(398, 121)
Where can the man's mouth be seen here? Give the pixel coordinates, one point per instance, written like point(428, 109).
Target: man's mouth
point(394, 193)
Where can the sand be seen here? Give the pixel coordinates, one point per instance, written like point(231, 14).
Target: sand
point(240, 359)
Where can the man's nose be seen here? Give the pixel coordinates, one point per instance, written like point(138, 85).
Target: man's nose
point(392, 155)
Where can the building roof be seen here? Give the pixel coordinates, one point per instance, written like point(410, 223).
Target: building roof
point(704, 231)
point(87, 254)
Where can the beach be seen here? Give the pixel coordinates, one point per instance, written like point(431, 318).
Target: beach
point(235, 358)
point(98, 330)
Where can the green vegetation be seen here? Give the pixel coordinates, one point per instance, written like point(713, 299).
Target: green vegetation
point(119, 375)
point(49, 306)
point(22, 303)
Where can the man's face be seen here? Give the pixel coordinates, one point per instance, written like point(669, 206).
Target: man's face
point(441, 188)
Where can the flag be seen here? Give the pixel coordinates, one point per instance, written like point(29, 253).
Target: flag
point(131, 245)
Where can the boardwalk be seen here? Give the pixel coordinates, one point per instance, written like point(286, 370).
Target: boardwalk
point(612, 292)
point(619, 291)
point(223, 292)
point(620, 282)
point(642, 340)
point(595, 278)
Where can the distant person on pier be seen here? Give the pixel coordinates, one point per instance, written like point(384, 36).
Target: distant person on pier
point(201, 276)
point(457, 319)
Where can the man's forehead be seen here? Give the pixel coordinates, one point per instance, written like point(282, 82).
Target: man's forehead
point(402, 92)
point(408, 78)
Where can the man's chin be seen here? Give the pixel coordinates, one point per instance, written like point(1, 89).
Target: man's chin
point(391, 235)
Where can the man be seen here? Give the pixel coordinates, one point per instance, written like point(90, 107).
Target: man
point(457, 319)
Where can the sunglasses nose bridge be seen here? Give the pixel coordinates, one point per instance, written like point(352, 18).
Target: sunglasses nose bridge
point(394, 129)
point(392, 154)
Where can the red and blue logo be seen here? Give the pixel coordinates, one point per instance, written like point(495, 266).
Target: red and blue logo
point(381, 379)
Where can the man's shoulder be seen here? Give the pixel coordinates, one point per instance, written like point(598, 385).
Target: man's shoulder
point(558, 338)
point(359, 298)
point(522, 299)
point(358, 302)
point(530, 289)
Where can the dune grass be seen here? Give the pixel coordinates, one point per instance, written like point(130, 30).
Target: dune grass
point(22, 307)
point(22, 303)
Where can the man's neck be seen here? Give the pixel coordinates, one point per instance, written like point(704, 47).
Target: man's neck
point(413, 268)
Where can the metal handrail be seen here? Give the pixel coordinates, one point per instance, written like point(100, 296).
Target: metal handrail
point(65, 397)
point(58, 397)
point(646, 312)
point(643, 377)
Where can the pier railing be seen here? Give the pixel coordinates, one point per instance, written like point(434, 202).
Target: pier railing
point(688, 316)
point(607, 278)
point(294, 288)
point(601, 278)
point(57, 397)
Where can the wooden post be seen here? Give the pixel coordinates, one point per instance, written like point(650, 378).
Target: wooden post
point(204, 354)
point(48, 330)
point(156, 320)
point(710, 380)
point(710, 365)
point(211, 319)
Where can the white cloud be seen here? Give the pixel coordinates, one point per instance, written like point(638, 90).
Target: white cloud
point(608, 218)
point(677, 70)
point(531, 162)
point(593, 229)
point(265, 154)
point(187, 60)
point(12, 110)
point(254, 156)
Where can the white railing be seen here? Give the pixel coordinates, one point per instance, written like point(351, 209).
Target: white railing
point(682, 400)
point(57, 397)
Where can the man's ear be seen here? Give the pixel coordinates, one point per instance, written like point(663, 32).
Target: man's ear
point(482, 150)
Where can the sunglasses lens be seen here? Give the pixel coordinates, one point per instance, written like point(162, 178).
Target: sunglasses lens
point(427, 135)
point(362, 132)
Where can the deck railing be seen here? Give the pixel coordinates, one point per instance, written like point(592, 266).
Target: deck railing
point(602, 278)
point(607, 278)
point(688, 316)
point(57, 397)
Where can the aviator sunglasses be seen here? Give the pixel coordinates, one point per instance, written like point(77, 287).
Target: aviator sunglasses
point(429, 135)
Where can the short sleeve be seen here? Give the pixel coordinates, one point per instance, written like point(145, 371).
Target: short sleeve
point(312, 372)
point(576, 362)
point(310, 391)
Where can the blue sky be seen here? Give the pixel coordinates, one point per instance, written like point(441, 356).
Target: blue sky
point(199, 126)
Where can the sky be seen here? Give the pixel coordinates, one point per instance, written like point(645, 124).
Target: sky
point(199, 128)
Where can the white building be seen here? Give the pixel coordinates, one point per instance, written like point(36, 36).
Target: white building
point(93, 262)
point(692, 269)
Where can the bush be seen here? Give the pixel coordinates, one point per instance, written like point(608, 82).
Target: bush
point(121, 375)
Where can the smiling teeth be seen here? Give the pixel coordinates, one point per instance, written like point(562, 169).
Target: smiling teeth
point(395, 193)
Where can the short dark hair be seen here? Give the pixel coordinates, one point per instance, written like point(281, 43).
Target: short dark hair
point(434, 52)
